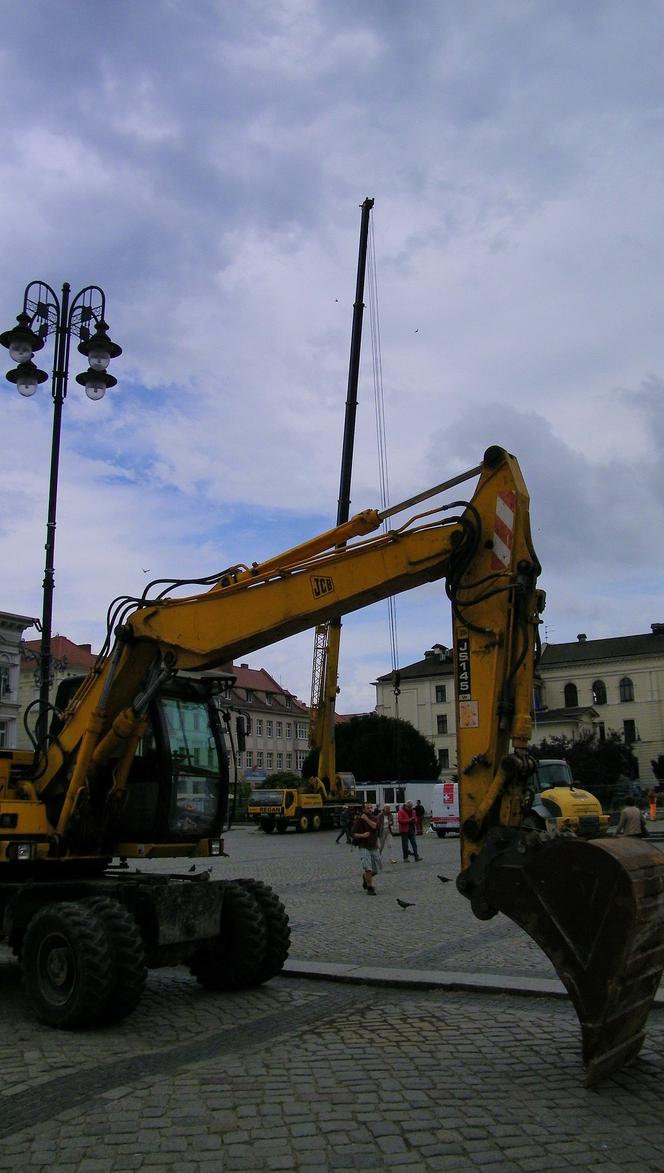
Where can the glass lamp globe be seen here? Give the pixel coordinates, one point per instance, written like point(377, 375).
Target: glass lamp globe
point(98, 358)
point(26, 384)
point(95, 388)
point(21, 350)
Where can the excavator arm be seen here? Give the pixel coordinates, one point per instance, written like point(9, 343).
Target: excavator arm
point(596, 908)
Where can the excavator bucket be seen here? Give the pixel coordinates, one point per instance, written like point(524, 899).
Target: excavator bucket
point(596, 908)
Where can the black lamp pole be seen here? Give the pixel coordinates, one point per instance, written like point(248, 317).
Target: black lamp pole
point(43, 314)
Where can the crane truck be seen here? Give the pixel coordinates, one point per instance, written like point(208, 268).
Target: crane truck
point(115, 779)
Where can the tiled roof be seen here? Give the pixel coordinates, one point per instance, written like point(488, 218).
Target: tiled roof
point(430, 666)
point(573, 713)
point(76, 655)
point(615, 647)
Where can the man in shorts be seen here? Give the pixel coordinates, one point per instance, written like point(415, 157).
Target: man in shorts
point(365, 836)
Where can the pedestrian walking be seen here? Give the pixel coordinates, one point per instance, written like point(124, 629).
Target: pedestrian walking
point(365, 836)
point(406, 822)
point(419, 817)
point(345, 823)
point(385, 829)
point(631, 821)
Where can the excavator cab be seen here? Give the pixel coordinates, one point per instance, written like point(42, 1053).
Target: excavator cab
point(178, 784)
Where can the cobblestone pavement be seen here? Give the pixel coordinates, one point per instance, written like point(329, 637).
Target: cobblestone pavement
point(306, 1076)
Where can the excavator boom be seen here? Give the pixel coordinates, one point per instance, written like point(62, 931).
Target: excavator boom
point(596, 908)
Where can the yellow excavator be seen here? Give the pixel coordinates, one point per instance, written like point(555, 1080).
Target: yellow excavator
point(123, 775)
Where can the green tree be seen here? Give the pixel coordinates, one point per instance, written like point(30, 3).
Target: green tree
point(282, 780)
point(605, 768)
point(375, 748)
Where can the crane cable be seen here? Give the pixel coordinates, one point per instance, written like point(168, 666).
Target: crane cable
point(381, 440)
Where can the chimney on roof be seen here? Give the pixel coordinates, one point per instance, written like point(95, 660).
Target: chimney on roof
point(582, 637)
point(657, 628)
point(244, 665)
point(86, 648)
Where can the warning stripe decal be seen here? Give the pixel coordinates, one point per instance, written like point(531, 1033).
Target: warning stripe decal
point(503, 530)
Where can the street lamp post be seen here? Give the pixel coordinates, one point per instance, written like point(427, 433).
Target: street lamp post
point(44, 314)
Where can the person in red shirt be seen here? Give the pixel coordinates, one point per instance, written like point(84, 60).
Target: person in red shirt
point(407, 823)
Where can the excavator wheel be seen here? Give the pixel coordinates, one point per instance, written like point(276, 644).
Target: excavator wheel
point(130, 971)
point(235, 960)
point(277, 927)
point(67, 965)
point(596, 908)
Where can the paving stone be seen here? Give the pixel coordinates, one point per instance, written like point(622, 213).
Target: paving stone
point(278, 1077)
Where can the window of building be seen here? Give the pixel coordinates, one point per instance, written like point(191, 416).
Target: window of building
point(443, 759)
point(268, 698)
point(537, 694)
point(301, 755)
point(249, 696)
point(601, 731)
point(5, 688)
point(441, 694)
point(571, 696)
point(441, 723)
point(280, 761)
point(259, 727)
point(599, 692)
point(629, 732)
point(289, 703)
point(268, 728)
point(301, 731)
point(278, 728)
point(250, 758)
point(269, 759)
point(259, 759)
point(289, 729)
point(626, 689)
point(289, 761)
point(4, 733)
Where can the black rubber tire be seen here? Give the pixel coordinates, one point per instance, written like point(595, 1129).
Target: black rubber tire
point(235, 961)
point(315, 823)
point(302, 823)
point(282, 828)
point(128, 958)
point(67, 965)
point(268, 826)
point(277, 926)
point(440, 834)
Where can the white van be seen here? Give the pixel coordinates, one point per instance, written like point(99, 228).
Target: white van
point(445, 808)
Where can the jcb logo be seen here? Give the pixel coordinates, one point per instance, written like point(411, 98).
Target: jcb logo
point(321, 585)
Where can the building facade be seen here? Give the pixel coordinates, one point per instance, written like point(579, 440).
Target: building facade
point(618, 682)
point(278, 736)
point(601, 686)
point(67, 659)
point(424, 696)
point(11, 632)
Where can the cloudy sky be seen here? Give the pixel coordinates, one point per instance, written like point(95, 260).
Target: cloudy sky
point(204, 162)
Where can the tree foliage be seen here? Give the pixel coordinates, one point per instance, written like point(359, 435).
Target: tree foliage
point(376, 748)
point(606, 768)
point(282, 780)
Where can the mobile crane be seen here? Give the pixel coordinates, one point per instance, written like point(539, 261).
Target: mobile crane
point(85, 931)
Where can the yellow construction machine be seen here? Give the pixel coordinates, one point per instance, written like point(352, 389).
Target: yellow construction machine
point(124, 776)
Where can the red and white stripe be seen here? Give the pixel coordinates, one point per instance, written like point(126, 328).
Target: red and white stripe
point(503, 534)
